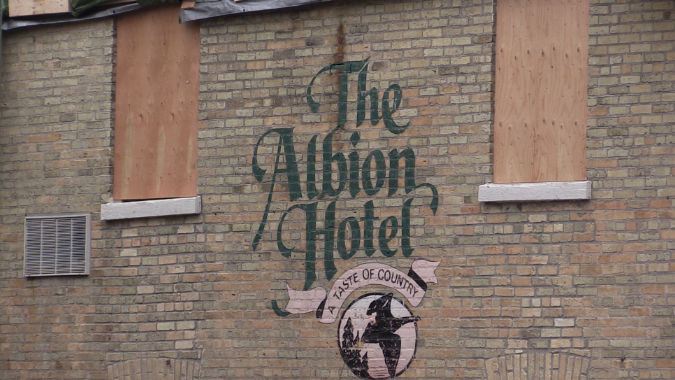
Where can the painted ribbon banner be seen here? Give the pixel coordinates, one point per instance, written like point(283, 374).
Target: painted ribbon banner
point(412, 286)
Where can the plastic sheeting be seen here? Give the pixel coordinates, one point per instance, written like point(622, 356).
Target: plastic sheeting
point(208, 9)
point(203, 9)
point(81, 12)
point(81, 7)
point(8, 24)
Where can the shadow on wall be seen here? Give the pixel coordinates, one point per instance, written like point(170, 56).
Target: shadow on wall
point(155, 369)
point(538, 366)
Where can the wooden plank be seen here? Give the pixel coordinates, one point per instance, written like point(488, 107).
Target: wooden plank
point(37, 7)
point(156, 104)
point(541, 91)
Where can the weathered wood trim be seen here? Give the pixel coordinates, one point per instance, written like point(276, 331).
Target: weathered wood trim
point(19, 8)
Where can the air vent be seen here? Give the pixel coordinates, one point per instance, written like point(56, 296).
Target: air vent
point(57, 245)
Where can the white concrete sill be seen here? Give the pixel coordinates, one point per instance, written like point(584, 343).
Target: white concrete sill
point(533, 192)
point(152, 208)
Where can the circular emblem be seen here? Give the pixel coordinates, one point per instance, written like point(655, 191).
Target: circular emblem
point(377, 336)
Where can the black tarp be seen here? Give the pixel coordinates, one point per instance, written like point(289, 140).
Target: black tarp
point(85, 10)
point(214, 8)
point(15, 23)
point(81, 7)
point(82, 10)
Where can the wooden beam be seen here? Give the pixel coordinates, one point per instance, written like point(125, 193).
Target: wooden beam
point(19, 8)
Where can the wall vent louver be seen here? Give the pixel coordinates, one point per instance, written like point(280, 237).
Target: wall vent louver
point(57, 245)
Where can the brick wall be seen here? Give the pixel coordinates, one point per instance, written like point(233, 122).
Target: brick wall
point(591, 279)
point(624, 237)
point(255, 74)
point(56, 107)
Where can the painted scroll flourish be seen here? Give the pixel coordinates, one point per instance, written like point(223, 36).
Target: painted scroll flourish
point(412, 286)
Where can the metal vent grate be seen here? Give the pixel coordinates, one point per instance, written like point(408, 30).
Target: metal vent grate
point(57, 245)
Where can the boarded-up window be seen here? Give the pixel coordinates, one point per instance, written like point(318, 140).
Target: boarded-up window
point(541, 91)
point(156, 100)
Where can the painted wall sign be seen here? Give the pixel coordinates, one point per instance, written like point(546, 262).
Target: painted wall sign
point(377, 333)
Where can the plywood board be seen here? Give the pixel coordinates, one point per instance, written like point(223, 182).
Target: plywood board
point(156, 101)
point(37, 7)
point(541, 91)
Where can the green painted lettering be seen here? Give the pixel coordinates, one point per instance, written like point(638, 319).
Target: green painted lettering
point(291, 171)
point(368, 228)
point(355, 238)
point(387, 111)
point(380, 172)
point(384, 240)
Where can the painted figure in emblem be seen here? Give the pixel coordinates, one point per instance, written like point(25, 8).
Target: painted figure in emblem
point(377, 336)
point(382, 330)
